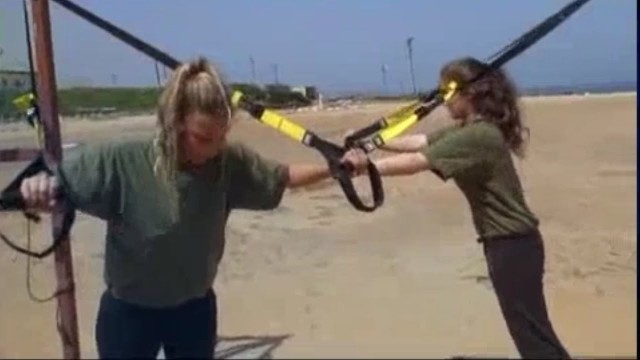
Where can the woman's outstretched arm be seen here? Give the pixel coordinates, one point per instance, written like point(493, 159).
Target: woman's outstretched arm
point(306, 174)
point(406, 144)
point(402, 164)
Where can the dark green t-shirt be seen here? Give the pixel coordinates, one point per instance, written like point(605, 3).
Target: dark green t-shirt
point(478, 159)
point(151, 258)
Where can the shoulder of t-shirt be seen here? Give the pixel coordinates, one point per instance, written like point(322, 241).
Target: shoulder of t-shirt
point(237, 150)
point(237, 154)
point(437, 134)
point(482, 132)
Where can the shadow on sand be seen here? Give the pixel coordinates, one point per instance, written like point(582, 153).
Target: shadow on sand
point(248, 347)
point(573, 356)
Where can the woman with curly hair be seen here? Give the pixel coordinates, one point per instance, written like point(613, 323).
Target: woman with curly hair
point(476, 154)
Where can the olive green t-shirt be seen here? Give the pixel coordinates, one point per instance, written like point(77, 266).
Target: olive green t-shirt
point(478, 159)
point(151, 258)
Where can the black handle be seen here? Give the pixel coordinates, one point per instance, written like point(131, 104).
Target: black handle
point(343, 174)
point(12, 201)
point(352, 140)
point(61, 230)
point(375, 180)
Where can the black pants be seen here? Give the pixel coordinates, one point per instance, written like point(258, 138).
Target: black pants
point(516, 268)
point(126, 330)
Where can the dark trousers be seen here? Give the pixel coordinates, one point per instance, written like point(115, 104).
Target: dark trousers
point(516, 268)
point(126, 330)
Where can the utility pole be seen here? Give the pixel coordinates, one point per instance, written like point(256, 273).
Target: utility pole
point(384, 69)
point(253, 69)
point(275, 73)
point(410, 50)
point(158, 80)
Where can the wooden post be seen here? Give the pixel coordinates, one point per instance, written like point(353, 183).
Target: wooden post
point(48, 113)
point(18, 154)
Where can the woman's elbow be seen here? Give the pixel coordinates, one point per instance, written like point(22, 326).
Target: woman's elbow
point(405, 164)
point(418, 163)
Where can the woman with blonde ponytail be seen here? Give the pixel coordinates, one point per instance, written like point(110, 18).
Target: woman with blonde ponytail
point(166, 201)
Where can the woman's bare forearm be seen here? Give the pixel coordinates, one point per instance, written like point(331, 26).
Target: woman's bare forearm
point(406, 144)
point(306, 174)
point(402, 164)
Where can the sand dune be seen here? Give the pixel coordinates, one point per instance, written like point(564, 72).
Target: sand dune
point(405, 281)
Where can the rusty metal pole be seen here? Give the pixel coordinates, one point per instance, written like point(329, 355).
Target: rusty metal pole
point(48, 113)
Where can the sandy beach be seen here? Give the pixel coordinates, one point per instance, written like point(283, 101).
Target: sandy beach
point(321, 280)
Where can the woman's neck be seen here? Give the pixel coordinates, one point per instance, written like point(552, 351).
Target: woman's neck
point(472, 118)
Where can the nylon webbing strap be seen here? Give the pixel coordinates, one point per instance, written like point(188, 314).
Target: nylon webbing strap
point(332, 153)
point(389, 130)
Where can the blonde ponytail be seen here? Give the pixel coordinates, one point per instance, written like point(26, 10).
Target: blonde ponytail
point(195, 86)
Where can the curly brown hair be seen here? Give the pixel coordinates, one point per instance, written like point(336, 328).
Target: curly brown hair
point(492, 95)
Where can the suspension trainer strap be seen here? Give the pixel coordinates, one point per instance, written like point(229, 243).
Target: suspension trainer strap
point(391, 129)
point(10, 197)
point(11, 200)
point(331, 152)
point(27, 103)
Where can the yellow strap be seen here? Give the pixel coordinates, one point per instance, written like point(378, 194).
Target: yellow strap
point(403, 120)
point(398, 128)
point(402, 113)
point(235, 98)
point(23, 102)
point(275, 120)
point(449, 90)
point(283, 125)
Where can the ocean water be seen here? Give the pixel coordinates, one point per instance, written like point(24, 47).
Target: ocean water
point(629, 86)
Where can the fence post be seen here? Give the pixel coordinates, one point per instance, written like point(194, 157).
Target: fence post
point(48, 112)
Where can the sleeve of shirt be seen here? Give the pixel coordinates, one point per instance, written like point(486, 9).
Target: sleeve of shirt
point(436, 135)
point(255, 182)
point(457, 154)
point(88, 177)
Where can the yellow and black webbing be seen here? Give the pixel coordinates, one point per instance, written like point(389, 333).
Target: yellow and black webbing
point(383, 130)
point(27, 104)
point(331, 152)
point(373, 137)
point(369, 138)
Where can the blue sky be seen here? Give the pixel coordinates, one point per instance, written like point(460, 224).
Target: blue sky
point(337, 45)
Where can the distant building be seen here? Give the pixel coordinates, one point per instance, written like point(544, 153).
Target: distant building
point(17, 80)
point(310, 92)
